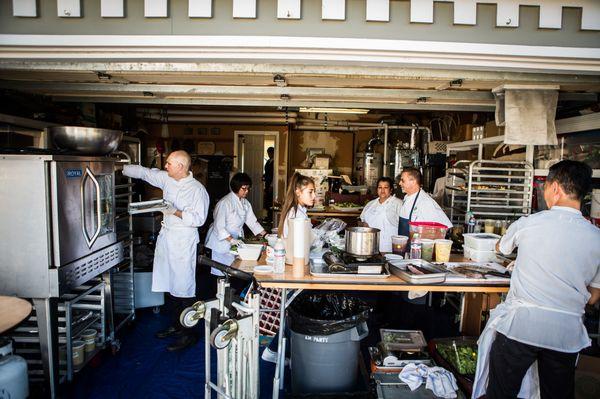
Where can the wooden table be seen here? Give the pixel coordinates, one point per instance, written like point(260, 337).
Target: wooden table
point(333, 213)
point(477, 298)
point(13, 310)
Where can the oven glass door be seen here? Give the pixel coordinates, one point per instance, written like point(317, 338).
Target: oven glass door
point(82, 209)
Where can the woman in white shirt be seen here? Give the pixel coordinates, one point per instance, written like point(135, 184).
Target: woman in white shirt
point(383, 213)
point(300, 195)
point(230, 215)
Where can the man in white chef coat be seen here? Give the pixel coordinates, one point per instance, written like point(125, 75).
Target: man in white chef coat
point(557, 272)
point(418, 206)
point(175, 255)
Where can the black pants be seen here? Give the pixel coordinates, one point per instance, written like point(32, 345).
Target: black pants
point(509, 361)
point(175, 306)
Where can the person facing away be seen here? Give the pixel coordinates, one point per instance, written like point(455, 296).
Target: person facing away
point(174, 267)
point(556, 273)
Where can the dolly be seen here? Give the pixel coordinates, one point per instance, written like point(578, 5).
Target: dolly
point(231, 327)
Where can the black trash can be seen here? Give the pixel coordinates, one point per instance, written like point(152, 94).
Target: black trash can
point(325, 331)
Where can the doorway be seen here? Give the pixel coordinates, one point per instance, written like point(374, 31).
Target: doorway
point(250, 151)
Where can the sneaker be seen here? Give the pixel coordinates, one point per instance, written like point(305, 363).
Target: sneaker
point(270, 356)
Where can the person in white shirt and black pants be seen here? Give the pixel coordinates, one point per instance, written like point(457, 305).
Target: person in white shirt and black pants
point(557, 272)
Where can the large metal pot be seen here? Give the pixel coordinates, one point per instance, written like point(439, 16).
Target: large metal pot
point(362, 241)
point(87, 140)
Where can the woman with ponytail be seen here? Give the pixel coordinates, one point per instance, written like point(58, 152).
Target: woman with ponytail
point(300, 195)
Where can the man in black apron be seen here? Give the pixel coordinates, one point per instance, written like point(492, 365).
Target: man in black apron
point(418, 205)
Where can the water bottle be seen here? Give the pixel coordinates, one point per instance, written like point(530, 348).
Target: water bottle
point(472, 223)
point(415, 247)
point(279, 257)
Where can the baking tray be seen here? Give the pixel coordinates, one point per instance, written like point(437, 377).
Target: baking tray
point(399, 269)
point(402, 339)
point(318, 268)
point(147, 206)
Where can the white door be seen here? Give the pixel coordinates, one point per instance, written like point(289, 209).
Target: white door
point(251, 161)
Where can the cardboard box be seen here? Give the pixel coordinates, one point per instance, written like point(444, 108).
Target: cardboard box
point(491, 130)
point(321, 182)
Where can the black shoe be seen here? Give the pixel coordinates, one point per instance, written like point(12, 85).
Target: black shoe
point(183, 342)
point(169, 332)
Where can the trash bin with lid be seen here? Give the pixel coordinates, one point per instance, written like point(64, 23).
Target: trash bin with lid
point(325, 332)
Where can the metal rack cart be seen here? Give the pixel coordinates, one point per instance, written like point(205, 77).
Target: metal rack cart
point(85, 307)
point(494, 190)
point(123, 274)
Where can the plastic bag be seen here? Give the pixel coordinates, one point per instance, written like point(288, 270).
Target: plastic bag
point(319, 313)
point(327, 233)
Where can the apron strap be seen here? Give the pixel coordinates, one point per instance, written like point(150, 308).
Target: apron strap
point(413, 206)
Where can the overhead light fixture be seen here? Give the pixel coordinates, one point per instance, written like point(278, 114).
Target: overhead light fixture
point(334, 110)
point(279, 80)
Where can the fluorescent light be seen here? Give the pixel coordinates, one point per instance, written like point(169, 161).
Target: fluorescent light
point(334, 110)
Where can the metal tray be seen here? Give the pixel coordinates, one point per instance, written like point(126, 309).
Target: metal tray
point(147, 206)
point(319, 269)
point(399, 269)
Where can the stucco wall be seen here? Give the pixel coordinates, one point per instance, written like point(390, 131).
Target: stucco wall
point(311, 24)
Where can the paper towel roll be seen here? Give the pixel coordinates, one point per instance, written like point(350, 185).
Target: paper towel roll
point(299, 237)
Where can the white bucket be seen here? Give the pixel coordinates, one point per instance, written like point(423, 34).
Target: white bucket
point(595, 212)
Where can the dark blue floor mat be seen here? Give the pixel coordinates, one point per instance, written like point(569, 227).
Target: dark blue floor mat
point(143, 368)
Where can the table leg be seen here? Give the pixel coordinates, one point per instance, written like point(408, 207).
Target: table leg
point(280, 365)
point(475, 306)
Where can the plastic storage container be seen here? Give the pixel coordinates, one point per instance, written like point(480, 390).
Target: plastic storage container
point(460, 352)
point(479, 256)
point(144, 296)
point(428, 230)
point(78, 353)
point(89, 337)
point(481, 241)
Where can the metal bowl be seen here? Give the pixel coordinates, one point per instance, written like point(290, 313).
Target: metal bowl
point(86, 140)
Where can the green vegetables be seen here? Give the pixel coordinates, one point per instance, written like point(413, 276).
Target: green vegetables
point(462, 357)
point(347, 205)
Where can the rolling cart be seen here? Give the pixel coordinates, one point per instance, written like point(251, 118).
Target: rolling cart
point(231, 326)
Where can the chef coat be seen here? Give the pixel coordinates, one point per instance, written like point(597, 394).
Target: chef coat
point(558, 258)
point(175, 255)
point(230, 215)
point(425, 210)
point(300, 213)
point(383, 217)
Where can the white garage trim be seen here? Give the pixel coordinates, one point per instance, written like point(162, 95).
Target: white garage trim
point(303, 49)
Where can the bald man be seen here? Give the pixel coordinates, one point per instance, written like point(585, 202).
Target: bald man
point(175, 255)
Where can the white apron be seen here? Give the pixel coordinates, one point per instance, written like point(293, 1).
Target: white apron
point(377, 217)
point(175, 261)
point(530, 387)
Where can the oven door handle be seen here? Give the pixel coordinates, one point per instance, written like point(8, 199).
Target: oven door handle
point(90, 240)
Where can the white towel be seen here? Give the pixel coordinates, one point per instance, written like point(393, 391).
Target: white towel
point(437, 379)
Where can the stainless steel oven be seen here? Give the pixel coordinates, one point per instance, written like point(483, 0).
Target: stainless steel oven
point(57, 233)
point(58, 225)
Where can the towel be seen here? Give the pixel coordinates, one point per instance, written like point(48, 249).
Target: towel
point(437, 379)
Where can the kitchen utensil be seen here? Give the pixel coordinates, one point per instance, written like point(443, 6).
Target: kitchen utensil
point(249, 251)
point(362, 241)
point(86, 140)
point(147, 206)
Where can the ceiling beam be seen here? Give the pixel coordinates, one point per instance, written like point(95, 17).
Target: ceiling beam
point(279, 103)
